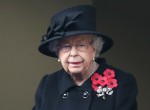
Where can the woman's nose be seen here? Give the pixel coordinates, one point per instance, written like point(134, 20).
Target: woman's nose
point(73, 51)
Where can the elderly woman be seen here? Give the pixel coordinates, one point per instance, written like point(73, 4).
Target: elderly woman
point(86, 81)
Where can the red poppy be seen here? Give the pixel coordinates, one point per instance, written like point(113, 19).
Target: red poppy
point(103, 81)
point(112, 83)
point(96, 78)
point(95, 87)
point(109, 73)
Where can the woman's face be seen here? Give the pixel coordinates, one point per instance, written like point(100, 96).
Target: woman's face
point(76, 54)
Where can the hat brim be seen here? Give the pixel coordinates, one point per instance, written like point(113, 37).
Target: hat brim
point(44, 49)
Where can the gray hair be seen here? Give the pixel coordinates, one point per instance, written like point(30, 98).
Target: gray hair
point(97, 45)
point(53, 46)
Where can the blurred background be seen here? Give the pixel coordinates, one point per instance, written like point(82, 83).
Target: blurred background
point(22, 23)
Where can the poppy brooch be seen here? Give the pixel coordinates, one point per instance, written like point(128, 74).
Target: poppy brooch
point(104, 84)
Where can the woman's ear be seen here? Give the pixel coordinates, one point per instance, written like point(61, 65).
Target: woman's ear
point(93, 46)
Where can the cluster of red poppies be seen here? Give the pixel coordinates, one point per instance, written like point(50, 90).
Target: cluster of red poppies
point(107, 80)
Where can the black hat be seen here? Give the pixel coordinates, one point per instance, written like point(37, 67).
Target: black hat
point(72, 21)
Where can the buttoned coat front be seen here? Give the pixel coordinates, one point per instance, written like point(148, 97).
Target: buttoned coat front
point(57, 91)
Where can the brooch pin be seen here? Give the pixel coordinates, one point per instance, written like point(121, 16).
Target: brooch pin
point(104, 85)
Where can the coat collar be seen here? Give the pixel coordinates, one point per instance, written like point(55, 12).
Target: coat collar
point(66, 82)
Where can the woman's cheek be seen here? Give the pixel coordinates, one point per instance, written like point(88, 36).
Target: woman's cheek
point(65, 66)
point(85, 65)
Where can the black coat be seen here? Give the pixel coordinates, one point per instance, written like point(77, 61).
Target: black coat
point(57, 91)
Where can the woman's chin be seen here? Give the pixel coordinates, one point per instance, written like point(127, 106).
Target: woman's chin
point(76, 70)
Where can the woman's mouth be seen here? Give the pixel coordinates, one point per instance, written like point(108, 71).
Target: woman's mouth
point(75, 64)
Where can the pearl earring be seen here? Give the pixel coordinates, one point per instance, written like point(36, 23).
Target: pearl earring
point(93, 58)
point(58, 60)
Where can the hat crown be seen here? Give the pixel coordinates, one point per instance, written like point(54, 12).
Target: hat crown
point(84, 15)
point(80, 18)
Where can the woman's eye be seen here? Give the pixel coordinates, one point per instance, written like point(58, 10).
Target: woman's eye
point(82, 45)
point(66, 46)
